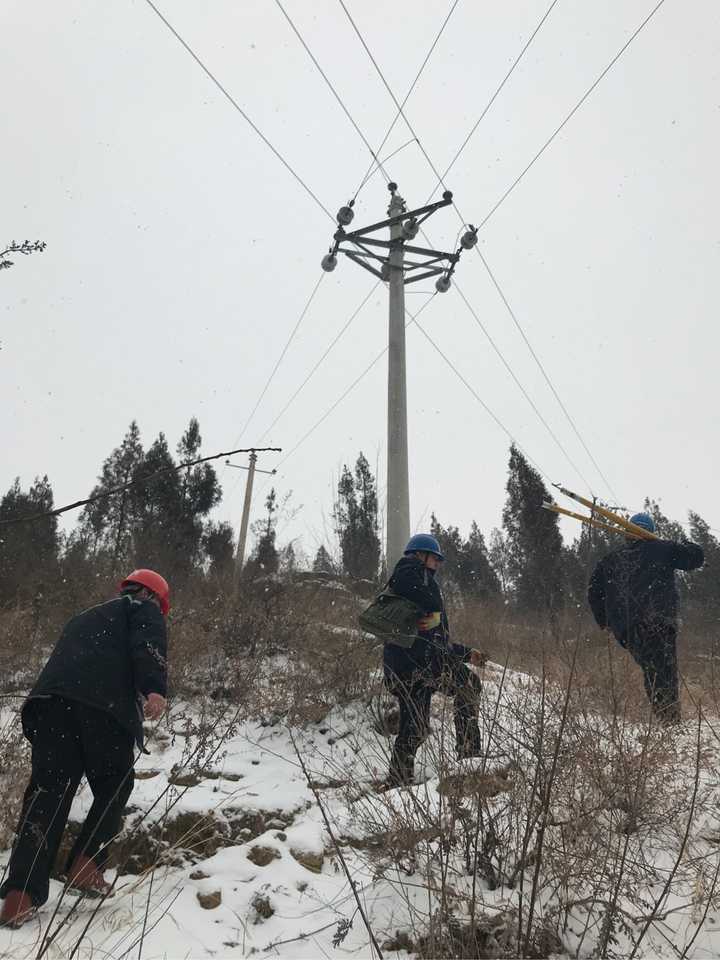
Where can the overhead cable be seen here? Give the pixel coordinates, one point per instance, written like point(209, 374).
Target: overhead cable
point(495, 282)
point(349, 389)
point(479, 399)
point(546, 376)
point(240, 110)
point(282, 354)
point(373, 168)
point(136, 482)
point(333, 90)
point(492, 99)
point(441, 180)
point(520, 386)
point(570, 115)
point(312, 372)
point(400, 106)
point(412, 87)
point(273, 372)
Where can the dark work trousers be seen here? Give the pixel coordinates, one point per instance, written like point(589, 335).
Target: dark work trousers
point(414, 694)
point(652, 644)
point(69, 740)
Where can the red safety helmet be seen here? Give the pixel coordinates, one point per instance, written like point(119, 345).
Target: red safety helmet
point(153, 581)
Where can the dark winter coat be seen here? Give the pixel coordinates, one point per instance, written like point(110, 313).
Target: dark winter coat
point(636, 584)
point(412, 580)
point(105, 657)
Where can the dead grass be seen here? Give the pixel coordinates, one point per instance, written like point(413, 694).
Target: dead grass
point(576, 790)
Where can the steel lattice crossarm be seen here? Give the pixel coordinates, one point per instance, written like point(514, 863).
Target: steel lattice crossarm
point(404, 225)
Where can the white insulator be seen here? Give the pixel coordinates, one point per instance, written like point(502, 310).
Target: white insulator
point(345, 216)
point(329, 262)
point(410, 229)
point(442, 284)
point(468, 239)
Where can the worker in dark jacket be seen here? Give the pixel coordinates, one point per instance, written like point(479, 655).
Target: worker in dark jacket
point(83, 717)
point(431, 664)
point(633, 593)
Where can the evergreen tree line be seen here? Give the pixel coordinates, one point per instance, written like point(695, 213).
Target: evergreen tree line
point(525, 563)
point(163, 522)
point(159, 522)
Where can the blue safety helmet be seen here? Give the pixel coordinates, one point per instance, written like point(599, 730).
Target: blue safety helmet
point(423, 543)
point(643, 520)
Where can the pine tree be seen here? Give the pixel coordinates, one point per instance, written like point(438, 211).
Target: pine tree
point(323, 562)
point(467, 569)
point(476, 575)
point(450, 544)
point(287, 560)
point(199, 493)
point(534, 545)
point(265, 559)
point(580, 559)
point(159, 521)
point(498, 554)
point(107, 523)
point(665, 528)
point(218, 543)
point(157, 512)
point(29, 548)
point(356, 519)
point(704, 584)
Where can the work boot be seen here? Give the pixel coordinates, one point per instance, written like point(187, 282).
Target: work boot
point(17, 909)
point(86, 877)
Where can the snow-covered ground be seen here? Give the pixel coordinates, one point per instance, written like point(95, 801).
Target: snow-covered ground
point(277, 886)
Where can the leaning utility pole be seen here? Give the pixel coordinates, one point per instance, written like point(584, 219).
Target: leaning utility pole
point(397, 270)
point(242, 539)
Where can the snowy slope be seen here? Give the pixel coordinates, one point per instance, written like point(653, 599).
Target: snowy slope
point(276, 885)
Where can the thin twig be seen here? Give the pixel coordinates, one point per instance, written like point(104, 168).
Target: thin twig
point(336, 845)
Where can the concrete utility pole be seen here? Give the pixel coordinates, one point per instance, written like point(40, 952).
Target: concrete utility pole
point(398, 270)
point(242, 539)
point(398, 490)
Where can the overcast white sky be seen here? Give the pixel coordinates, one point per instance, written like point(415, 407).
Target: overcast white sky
point(180, 251)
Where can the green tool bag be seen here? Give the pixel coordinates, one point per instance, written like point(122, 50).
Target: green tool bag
point(391, 619)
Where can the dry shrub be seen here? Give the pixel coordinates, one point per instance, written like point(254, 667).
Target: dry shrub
point(562, 819)
point(282, 647)
point(24, 643)
point(14, 755)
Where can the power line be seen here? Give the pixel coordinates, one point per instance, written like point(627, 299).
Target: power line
point(496, 284)
point(399, 106)
point(549, 382)
point(240, 110)
point(572, 113)
point(274, 371)
point(412, 87)
point(378, 164)
point(522, 388)
point(479, 399)
point(333, 90)
point(373, 168)
point(441, 180)
point(136, 482)
point(349, 389)
point(494, 97)
point(284, 162)
point(322, 358)
point(282, 353)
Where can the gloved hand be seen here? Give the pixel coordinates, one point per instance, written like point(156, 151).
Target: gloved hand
point(478, 658)
point(429, 622)
point(154, 706)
